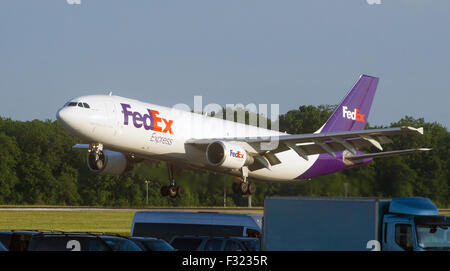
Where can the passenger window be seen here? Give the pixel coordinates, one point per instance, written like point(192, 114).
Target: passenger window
point(95, 245)
point(403, 236)
point(86, 105)
point(187, 244)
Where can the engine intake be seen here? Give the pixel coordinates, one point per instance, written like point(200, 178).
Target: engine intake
point(224, 154)
point(108, 162)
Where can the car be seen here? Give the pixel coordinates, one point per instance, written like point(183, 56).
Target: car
point(17, 240)
point(67, 241)
point(152, 244)
point(215, 243)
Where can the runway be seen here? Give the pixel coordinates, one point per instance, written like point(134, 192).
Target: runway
point(255, 210)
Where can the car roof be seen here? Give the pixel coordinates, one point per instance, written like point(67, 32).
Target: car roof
point(143, 238)
point(80, 234)
point(211, 236)
point(20, 231)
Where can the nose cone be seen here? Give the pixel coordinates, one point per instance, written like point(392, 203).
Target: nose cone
point(66, 118)
point(61, 116)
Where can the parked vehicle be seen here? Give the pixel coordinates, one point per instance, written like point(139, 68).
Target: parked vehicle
point(17, 240)
point(68, 241)
point(298, 223)
point(152, 244)
point(215, 243)
point(165, 225)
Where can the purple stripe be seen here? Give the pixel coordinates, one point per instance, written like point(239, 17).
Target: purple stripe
point(327, 164)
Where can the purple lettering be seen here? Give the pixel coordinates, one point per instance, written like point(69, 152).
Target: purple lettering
point(150, 117)
point(126, 113)
point(137, 117)
point(146, 120)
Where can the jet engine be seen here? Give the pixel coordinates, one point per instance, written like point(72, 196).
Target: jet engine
point(227, 155)
point(108, 162)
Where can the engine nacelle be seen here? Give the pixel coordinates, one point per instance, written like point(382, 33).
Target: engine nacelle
point(224, 154)
point(108, 162)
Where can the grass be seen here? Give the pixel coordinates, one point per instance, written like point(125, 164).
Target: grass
point(110, 221)
point(114, 221)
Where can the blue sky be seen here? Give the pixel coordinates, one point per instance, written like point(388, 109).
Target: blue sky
point(282, 52)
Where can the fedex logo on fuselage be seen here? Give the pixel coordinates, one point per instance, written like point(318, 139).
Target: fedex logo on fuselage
point(352, 115)
point(150, 121)
point(237, 154)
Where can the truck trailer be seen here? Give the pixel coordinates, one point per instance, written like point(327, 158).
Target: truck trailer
point(353, 224)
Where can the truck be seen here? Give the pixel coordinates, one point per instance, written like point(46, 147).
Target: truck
point(353, 224)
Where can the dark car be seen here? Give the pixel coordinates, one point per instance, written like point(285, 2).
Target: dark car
point(215, 243)
point(67, 241)
point(152, 244)
point(17, 240)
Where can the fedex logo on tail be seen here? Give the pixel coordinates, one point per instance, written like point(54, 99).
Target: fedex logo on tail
point(237, 154)
point(352, 115)
point(150, 121)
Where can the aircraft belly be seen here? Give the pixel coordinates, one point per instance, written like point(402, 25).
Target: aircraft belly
point(291, 166)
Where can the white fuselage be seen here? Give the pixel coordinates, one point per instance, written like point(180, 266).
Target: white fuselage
point(160, 133)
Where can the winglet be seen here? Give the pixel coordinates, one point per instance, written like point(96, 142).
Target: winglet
point(419, 130)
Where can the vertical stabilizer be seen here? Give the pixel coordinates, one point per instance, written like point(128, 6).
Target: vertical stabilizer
point(353, 112)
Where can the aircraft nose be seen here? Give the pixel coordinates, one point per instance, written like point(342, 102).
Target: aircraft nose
point(63, 117)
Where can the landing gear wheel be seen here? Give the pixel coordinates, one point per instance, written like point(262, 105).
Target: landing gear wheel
point(236, 187)
point(180, 191)
point(244, 188)
point(164, 190)
point(251, 188)
point(172, 191)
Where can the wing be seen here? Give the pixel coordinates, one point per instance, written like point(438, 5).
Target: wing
point(264, 150)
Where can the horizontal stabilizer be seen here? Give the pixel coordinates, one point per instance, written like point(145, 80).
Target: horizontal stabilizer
point(81, 146)
point(356, 158)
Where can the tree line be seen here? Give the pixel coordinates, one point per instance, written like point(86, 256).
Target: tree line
point(39, 166)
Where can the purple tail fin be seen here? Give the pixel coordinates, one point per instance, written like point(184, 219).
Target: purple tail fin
point(354, 110)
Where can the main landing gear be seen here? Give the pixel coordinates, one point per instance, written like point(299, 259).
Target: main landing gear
point(172, 190)
point(244, 187)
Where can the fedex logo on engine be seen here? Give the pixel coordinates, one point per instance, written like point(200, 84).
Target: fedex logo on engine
point(237, 154)
point(352, 115)
point(150, 121)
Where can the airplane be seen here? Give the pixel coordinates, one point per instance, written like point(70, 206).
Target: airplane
point(121, 132)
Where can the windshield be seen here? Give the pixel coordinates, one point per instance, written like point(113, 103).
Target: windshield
point(433, 237)
point(157, 245)
point(121, 244)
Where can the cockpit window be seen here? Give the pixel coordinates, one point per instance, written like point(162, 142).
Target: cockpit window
point(80, 104)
